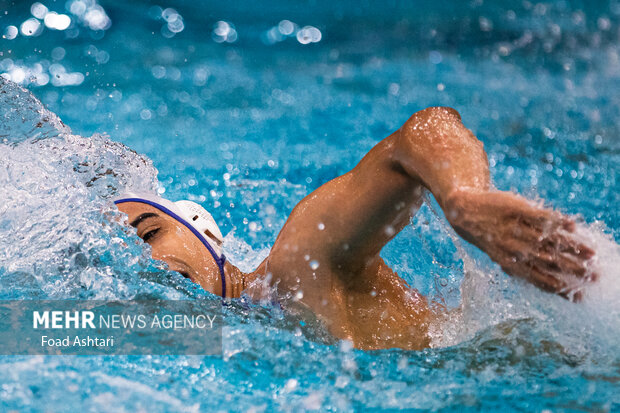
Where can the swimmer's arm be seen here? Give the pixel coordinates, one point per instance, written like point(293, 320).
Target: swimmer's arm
point(344, 224)
point(526, 239)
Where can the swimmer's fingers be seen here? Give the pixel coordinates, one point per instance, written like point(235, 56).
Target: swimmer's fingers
point(553, 233)
point(543, 219)
point(561, 252)
point(565, 243)
point(548, 280)
point(575, 258)
point(559, 283)
point(529, 253)
point(559, 246)
point(552, 262)
point(564, 265)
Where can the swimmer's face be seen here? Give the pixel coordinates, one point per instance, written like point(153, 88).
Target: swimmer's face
point(174, 244)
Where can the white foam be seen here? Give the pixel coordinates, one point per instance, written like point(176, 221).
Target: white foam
point(56, 189)
point(490, 298)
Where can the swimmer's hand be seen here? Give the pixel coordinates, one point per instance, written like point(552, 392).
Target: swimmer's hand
point(525, 239)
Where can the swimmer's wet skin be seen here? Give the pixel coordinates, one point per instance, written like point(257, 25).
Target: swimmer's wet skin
point(344, 224)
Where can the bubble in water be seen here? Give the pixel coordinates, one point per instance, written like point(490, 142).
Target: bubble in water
point(291, 385)
point(224, 31)
point(10, 32)
point(58, 53)
point(57, 21)
point(286, 27)
point(38, 10)
point(309, 34)
point(31, 27)
point(314, 264)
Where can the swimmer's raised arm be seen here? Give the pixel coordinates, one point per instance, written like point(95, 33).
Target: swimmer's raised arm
point(526, 239)
point(344, 224)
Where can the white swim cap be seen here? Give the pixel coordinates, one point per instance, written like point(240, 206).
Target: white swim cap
point(192, 215)
point(202, 220)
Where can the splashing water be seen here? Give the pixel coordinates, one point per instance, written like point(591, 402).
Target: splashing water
point(248, 126)
point(490, 298)
point(62, 239)
point(56, 240)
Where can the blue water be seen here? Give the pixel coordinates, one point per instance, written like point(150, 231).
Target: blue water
point(238, 108)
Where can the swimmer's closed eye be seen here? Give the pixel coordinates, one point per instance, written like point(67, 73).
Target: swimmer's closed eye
point(150, 234)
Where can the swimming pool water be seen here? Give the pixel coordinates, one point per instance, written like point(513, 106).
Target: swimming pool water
point(247, 108)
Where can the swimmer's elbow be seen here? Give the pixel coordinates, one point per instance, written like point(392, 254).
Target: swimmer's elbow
point(435, 148)
point(423, 141)
point(424, 125)
point(439, 112)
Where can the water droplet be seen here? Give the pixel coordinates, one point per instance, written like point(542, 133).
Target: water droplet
point(291, 385)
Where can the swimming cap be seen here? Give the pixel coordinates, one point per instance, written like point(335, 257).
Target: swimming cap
point(194, 217)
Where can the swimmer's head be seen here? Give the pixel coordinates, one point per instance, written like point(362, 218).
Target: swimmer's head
point(182, 234)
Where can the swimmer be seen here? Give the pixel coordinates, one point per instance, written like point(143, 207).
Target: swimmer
point(327, 253)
